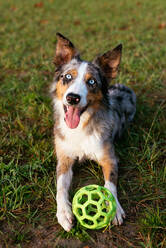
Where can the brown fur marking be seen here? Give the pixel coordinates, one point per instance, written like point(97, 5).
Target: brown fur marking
point(109, 164)
point(64, 162)
point(73, 72)
point(95, 103)
point(61, 89)
point(86, 122)
point(88, 76)
point(95, 99)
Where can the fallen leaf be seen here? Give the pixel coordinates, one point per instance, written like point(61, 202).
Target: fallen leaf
point(1, 152)
point(13, 8)
point(162, 25)
point(136, 54)
point(43, 21)
point(38, 5)
point(138, 3)
point(124, 27)
point(77, 22)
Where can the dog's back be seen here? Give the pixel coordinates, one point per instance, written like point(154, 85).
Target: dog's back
point(123, 103)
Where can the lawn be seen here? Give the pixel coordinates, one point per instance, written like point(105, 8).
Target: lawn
point(27, 161)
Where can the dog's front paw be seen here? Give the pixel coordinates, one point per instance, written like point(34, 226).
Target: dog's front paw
point(65, 216)
point(120, 214)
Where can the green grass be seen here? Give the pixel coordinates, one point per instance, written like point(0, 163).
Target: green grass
point(27, 162)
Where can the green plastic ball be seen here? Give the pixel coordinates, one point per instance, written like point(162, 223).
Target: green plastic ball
point(94, 206)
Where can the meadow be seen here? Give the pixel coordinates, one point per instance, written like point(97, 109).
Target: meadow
point(27, 160)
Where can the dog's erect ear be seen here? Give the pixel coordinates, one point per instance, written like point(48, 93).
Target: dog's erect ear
point(65, 51)
point(109, 62)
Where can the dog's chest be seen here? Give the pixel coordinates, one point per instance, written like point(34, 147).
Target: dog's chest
point(77, 143)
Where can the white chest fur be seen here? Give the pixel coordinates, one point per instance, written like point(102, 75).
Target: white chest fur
point(77, 143)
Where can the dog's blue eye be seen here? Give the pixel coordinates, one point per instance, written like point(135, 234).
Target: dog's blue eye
point(68, 76)
point(92, 82)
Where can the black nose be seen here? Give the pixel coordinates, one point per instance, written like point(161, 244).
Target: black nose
point(73, 98)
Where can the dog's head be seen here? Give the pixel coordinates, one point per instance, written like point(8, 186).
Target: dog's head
point(80, 84)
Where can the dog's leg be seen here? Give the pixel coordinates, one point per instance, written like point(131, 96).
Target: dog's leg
point(109, 165)
point(64, 177)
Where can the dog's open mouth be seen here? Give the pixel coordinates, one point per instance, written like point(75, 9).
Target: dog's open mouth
point(72, 115)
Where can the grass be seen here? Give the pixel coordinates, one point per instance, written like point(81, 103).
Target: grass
point(27, 162)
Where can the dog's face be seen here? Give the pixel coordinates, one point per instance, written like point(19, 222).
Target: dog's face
point(80, 84)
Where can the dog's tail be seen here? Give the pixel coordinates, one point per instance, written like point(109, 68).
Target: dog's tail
point(123, 101)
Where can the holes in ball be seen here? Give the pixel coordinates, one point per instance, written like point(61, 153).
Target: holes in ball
point(100, 219)
point(82, 199)
point(91, 210)
point(106, 203)
point(87, 221)
point(104, 192)
point(79, 212)
point(104, 210)
point(95, 197)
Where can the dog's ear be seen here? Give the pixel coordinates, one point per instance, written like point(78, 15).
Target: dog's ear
point(65, 51)
point(109, 62)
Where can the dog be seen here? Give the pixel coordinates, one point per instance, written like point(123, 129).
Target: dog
point(88, 115)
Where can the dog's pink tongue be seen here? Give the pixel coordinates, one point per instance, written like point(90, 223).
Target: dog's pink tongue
point(72, 117)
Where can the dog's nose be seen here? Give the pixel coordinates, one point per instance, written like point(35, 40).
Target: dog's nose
point(73, 99)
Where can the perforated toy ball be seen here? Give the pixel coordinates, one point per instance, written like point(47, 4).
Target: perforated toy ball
point(94, 206)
